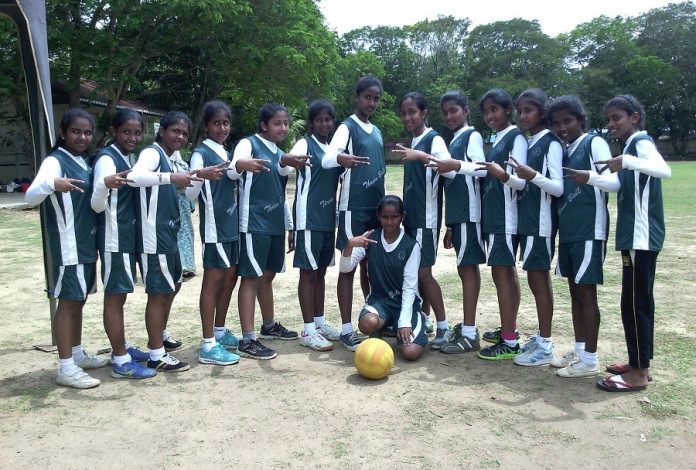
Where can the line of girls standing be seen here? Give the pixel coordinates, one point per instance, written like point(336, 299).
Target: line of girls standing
point(515, 194)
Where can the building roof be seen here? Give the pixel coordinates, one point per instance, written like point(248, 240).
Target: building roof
point(89, 95)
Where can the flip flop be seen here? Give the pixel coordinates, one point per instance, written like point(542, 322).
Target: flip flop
point(619, 368)
point(615, 384)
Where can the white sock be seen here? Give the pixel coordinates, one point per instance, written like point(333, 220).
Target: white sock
point(469, 331)
point(120, 360)
point(78, 353)
point(579, 348)
point(219, 331)
point(544, 343)
point(442, 325)
point(165, 335)
point(67, 366)
point(346, 328)
point(589, 358)
point(208, 344)
point(427, 318)
point(157, 354)
point(128, 346)
point(319, 321)
point(309, 329)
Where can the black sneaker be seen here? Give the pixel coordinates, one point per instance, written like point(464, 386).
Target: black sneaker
point(277, 331)
point(499, 352)
point(168, 363)
point(170, 344)
point(255, 350)
point(494, 336)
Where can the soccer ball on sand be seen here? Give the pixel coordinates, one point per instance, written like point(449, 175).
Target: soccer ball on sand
point(374, 358)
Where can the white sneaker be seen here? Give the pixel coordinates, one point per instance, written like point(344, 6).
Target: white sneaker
point(565, 361)
point(315, 341)
point(77, 379)
point(328, 331)
point(92, 362)
point(578, 369)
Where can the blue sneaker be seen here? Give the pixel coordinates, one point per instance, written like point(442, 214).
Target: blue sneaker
point(350, 341)
point(132, 370)
point(218, 356)
point(137, 355)
point(228, 341)
point(535, 356)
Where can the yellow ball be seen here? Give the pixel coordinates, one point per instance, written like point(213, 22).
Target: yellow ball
point(374, 358)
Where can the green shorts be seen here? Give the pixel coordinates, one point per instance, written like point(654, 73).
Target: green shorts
point(427, 238)
point(314, 249)
point(502, 249)
point(583, 261)
point(221, 255)
point(161, 272)
point(468, 243)
point(536, 253)
point(75, 281)
point(259, 253)
point(118, 272)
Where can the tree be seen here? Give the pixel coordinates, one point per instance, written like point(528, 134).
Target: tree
point(668, 34)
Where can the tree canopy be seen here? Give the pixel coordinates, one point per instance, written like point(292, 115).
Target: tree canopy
point(178, 54)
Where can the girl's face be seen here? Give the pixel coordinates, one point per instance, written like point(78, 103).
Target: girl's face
point(529, 117)
point(620, 124)
point(496, 116)
point(368, 101)
point(174, 137)
point(218, 128)
point(454, 115)
point(78, 136)
point(276, 129)
point(412, 117)
point(322, 125)
point(390, 219)
point(128, 135)
point(567, 126)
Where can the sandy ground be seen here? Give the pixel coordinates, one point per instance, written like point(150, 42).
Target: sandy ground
point(312, 410)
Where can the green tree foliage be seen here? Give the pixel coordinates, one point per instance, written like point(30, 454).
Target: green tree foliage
point(668, 34)
point(177, 54)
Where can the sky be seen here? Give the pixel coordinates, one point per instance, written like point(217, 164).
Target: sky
point(553, 16)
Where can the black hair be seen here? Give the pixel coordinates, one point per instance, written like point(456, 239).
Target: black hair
point(393, 200)
point(211, 109)
point(539, 100)
point(366, 82)
point(417, 98)
point(269, 110)
point(570, 104)
point(172, 117)
point(316, 107)
point(121, 117)
point(68, 117)
point(124, 115)
point(460, 99)
point(499, 96)
point(630, 105)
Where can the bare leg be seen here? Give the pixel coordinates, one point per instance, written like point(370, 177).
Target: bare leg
point(344, 290)
point(471, 287)
point(432, 291)
point(505, 278)
point(540, 285)
point(68, 315)
point(113, 322)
